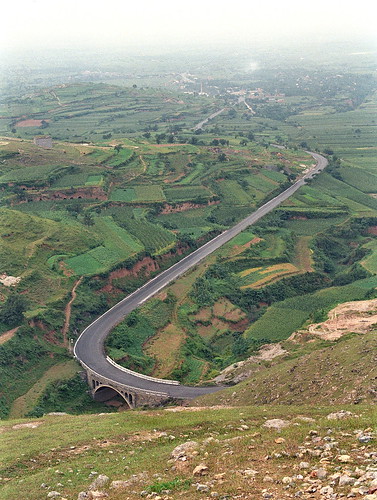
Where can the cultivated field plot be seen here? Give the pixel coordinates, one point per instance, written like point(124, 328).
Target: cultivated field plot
point(194, 222)
point(257, 277)
point(35, 175)
point(118, 244)
point(143, 194)
point(233, 194)
point(155, 238)
point(188, 193)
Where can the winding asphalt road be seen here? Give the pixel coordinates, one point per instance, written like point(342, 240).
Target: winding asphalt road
point(89, 347)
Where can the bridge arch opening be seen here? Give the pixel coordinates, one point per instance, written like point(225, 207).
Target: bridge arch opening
point(105, 393)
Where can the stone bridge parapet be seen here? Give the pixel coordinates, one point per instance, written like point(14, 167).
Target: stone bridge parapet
point(104, 389)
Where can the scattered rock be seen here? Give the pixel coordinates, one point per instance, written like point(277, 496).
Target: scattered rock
point(204, 488)
point(279, 440)
point(339, 415)
point(303, 465)
point(287, 480)
point(326, 490)
point(250, 472)
point(345, 480)
point(320, 473)
point(344, 459)
point(365, 438)
point(99, 482)
point(184, 449)
point(119, 484)
point(276, 423)
point(28, 425)
point(54, 494)
point(200, 470)
point(93, 495)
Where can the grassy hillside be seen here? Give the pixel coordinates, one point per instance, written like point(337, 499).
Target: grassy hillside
point(313, 372)
point(233, 453)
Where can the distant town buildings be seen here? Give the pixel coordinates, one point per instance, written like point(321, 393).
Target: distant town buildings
point(43, 141)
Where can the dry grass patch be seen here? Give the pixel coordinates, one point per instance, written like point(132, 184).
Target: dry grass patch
point(223, 308)
point(164, 348)
point(303, 258)
point(4, 337)
point(274, 273)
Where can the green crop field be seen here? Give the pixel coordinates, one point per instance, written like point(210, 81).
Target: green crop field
point(232, 193)
point(187, 193)
point(155, 238)
point(94, 180)
point(118, 245)
point(42, 173)
point(149, 193)
point(128, 195)
point(282, 319)
point(69, 180)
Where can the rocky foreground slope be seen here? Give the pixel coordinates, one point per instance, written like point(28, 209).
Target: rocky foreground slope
point(193, 453)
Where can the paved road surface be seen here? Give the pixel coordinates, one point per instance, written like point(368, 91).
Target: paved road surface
point(210, 117)
point(89, 347)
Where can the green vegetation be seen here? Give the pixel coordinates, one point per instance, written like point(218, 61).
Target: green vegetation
point(129, 186)
point(322, 371)
point(118, 245)
point(189, 193)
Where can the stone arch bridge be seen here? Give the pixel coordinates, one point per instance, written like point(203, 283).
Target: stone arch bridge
point(103, 389)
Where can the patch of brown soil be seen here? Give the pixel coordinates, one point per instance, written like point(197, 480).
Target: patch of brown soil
point(30, 123)
point(358, 317)
point(237, 249)
point(109, 289)
point(65, 270)
point(225, 309)
point(49, 335)
point(162, 296)
point(166, 359)
point(174, 179)
point(204, 314)
point(240, 326)
point(372, 230)
point(147, 265)
point(217, 325)
point(8, 335)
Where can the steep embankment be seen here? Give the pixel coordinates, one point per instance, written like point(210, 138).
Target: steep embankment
point(245, 452)
point(314, 372)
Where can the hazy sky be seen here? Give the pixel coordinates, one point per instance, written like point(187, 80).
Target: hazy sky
point(51, 23)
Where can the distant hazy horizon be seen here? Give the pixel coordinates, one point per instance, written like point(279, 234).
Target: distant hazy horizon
point(166, 25)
